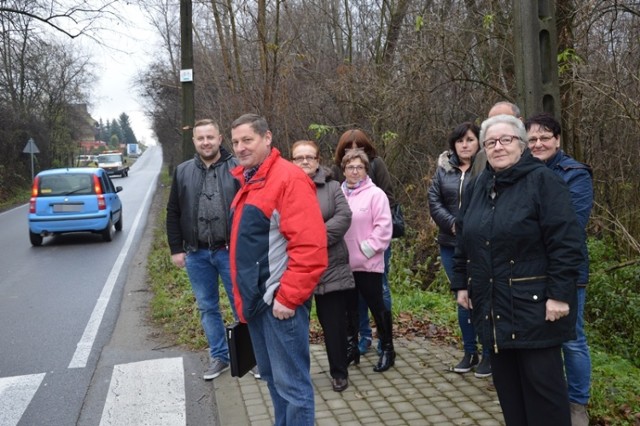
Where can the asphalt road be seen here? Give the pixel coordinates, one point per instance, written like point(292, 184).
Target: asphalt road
point(75, 343)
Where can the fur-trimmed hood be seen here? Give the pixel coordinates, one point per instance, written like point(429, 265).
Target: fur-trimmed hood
point(448, 160)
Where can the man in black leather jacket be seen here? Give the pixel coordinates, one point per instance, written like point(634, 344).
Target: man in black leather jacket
point(198, 232)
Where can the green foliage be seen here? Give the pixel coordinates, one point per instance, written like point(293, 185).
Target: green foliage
point(488, 21)
point(320, 130)
point(407, 285)
point(615, 390)
point(388, 137)
point(14, 197)
point(613, 302)
point(567, 59)
point(114, 142)
point(419, 23)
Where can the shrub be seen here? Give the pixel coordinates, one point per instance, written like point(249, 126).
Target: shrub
point(613, 302)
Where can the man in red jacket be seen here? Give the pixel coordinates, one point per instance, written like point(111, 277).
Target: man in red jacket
point(278, 253)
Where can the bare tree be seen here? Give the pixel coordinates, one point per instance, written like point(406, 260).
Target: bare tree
point(72, 19)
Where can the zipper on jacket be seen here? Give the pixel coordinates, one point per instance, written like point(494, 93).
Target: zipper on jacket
point(525, 279)
point(460, 188)
point(513, 313)
point(493, 329)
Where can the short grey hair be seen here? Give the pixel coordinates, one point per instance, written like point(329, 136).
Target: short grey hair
point(354, 154)
point(516, 123)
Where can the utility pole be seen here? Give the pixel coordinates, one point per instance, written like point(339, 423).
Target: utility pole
point(535, 56)
point(186, 77)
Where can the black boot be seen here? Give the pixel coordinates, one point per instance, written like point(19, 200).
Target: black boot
point(353, 353)
point(384, 326)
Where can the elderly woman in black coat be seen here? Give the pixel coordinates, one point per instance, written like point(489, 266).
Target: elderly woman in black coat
point(516, 263)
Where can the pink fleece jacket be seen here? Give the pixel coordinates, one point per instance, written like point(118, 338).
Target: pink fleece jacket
point(371, 227)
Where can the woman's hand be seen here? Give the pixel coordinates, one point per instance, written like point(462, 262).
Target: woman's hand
point(463, 300)
point(556, 310)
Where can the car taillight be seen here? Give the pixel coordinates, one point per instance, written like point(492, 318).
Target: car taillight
point(102, 204)
point(34, 194)
point(96, 185)
point(34, 187)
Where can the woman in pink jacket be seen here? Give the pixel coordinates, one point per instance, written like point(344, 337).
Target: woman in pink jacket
point(367, 239)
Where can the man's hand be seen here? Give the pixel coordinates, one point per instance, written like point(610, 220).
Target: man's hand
point(178, 259)
point(462, 297)
point(282, 312)
point(556, 310)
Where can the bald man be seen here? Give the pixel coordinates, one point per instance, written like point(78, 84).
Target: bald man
point(502, 107)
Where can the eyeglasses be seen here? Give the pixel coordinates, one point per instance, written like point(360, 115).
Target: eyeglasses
point(352, 169)
point(303, 158)
point(542, 139)
point(504, 141)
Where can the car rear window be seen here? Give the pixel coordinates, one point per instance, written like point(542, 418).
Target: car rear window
point(68, 184)
point(113, 158)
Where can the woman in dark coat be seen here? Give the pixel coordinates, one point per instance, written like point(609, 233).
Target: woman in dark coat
point(517, 262)
point(331, 294)
point(445, 196)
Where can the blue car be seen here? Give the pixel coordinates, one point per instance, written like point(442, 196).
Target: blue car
point(81, 199)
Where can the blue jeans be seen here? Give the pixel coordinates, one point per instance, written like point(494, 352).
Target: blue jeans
point(577, 359)
point(204, 267)
point(363, 311)
point(469, 340)
point(282, 353)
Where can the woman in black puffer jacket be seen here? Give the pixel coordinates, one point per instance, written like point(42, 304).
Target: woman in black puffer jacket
point(516, 264)
point(445, 195)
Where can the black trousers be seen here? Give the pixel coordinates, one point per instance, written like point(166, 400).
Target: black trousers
point(332, 314)
point(531, 386)
point(369, 286)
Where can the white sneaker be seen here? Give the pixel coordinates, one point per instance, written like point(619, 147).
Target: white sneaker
point(255, 372)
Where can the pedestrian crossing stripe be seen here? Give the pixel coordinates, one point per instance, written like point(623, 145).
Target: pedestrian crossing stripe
point(146, 393)
point(15, 395)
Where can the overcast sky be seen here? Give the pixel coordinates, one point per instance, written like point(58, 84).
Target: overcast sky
point(128, 49)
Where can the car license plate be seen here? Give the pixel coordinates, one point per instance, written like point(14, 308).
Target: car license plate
point(67, 208)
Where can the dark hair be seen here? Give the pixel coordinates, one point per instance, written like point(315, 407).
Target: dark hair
point(348, 138)
point(258, 123)
point(546, 121)
point(355, 154)
point(460, 131)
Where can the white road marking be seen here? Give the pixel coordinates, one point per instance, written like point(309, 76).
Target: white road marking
point(15, 395)
point(146, 393)
point(83, 348)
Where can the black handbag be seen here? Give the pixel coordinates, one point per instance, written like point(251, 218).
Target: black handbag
point(398, 221)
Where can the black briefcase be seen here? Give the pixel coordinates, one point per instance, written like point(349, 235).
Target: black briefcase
point(241, 356)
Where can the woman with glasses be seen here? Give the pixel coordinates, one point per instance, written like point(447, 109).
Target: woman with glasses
point(336, 283)
point(445, 195)
point(544, 132)
point(367, 239)
point(359, 320)
point(516, 264)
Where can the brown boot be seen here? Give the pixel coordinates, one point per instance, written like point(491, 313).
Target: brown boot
point(579, 415)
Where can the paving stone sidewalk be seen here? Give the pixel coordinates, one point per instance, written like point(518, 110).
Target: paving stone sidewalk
point(419, 390)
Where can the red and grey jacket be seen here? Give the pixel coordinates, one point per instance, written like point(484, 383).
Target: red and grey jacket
point(278, 238)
